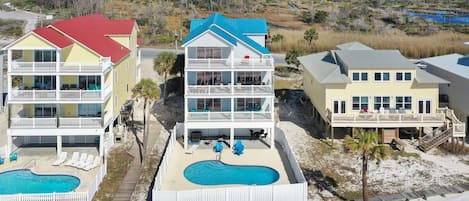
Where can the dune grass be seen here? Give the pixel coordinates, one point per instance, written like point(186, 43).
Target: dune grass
point(410, 46)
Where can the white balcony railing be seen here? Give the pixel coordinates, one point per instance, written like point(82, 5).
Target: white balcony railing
point(229, 116)
point(387, 118)
point(32, 95)
point(80, 95)
point(33, 122)
point(230, 89)
point(64, 67)
point(227, 63)
point(80, 122)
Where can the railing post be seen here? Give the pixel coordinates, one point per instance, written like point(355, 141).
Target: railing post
point(209, 65)
point(400, 117)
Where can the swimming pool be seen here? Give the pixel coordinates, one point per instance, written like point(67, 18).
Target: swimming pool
point(24, 181)
point(214, 172)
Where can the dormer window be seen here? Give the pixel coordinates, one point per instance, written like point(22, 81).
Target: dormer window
point(403, 76)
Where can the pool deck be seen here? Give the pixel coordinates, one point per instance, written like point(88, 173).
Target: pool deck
point(40, 160)
point(175, 180)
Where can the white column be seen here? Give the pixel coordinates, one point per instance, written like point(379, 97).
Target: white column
point(58, 59)
point(103, 77)
point(272, 137)
point(59, 145)
point(186, 138)
point(232, 108)
point(9, 143)
point(101, 145)
point(57, 87)
point(111, 127)
point(231, 137)
point(9, 59)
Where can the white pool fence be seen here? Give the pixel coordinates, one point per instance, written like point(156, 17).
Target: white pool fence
point(291, 192)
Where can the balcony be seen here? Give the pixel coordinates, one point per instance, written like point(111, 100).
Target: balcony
point(229, 116)
point(18, 66)
point(230, 90)
point(386, 120)
point(63, 122)
point(64, 95)
point(227, 63)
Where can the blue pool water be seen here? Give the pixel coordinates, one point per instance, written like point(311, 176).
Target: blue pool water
point(24, 181)
point(218, 173)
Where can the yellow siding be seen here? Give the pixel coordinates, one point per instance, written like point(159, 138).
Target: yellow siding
point(123, 40)
point(28, 108)
point(70, 110)
point(390, 88)
point(133, 42)
point(28, 81)
point(108, 106)
point(77, 53)
point(28, 55)
point(69, 79)
point(32, 41)
point(65, 52)
point(315, 91)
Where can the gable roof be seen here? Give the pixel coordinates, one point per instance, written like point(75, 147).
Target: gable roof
point(354, 45)
point(230, 30)
point(451, 63)
point(92, 30)
point(376, 59)
point(322, 67)
point(53, 36)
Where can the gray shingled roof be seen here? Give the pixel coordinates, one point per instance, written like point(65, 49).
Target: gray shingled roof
point(425, 77)
point(354, 45)
point(375, 59)
point(451, 63)
point(323, 68)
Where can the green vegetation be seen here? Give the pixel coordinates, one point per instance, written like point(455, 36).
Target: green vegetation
point(292, 57)
point(163, 64)
point(117, 166)
point(311, 35)
point(11, 27)
point(366, 145)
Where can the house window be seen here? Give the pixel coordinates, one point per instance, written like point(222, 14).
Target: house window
point(208, 52)
point(44, 110)
point(400, 76)
point(89, 110)
point(404, 102)
point(382, 76)
point(359, 103)
point(357, 76)
point(382, 101)
point(45, 56)
point(339, 106)
point(90, 82)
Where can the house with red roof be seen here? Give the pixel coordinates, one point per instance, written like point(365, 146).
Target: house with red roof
point(68, 81)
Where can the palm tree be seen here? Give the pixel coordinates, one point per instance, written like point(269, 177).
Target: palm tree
point(367, 145)
point(310, 35)
point(163, 63)
point(147, 90)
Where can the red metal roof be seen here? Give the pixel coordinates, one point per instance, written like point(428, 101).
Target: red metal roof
point(92, 31)
point(53, 36)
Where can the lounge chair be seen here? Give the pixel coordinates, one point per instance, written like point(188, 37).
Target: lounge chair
point(82, 161)
point(14, 156)
point(74, 159)
point(61, 159)
point(94, 164)
point(88, 162)
point(192, 149)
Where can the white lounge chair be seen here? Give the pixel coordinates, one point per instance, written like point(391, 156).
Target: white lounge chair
point(96, 162)
point(81, 161)
point(192, 149)
point(74, 159)
point(61, 159)
point(88, 161)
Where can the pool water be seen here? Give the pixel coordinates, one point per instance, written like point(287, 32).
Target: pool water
point(24, 181)
point(214, 172)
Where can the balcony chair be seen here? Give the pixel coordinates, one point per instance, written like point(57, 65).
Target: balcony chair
point(73, 86)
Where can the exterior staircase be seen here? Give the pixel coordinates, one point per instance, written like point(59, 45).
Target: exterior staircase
point(452, 128)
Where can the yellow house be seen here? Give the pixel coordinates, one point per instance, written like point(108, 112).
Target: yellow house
point(359, 87)
point(68, 81)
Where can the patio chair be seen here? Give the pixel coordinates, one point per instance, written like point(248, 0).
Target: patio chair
point(88, 162)
point(13, 156)
point(74, 159)
point(80, 162)
point(94, 164)
point(2, 160)
point(61, 159)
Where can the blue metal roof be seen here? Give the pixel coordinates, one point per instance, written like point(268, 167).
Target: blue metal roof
point(232, 30)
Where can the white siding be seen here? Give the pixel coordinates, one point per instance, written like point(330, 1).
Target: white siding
point(208, 40)
point(242, 50)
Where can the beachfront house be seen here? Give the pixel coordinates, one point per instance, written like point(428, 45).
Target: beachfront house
point(228, 135)
point(454, 68)
point(356, 86)
point(67, 81)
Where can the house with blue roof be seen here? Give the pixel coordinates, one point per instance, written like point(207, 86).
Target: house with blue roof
point(229, 91)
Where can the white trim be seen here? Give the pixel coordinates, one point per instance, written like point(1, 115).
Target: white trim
point(26, 35)
point(203, 33)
